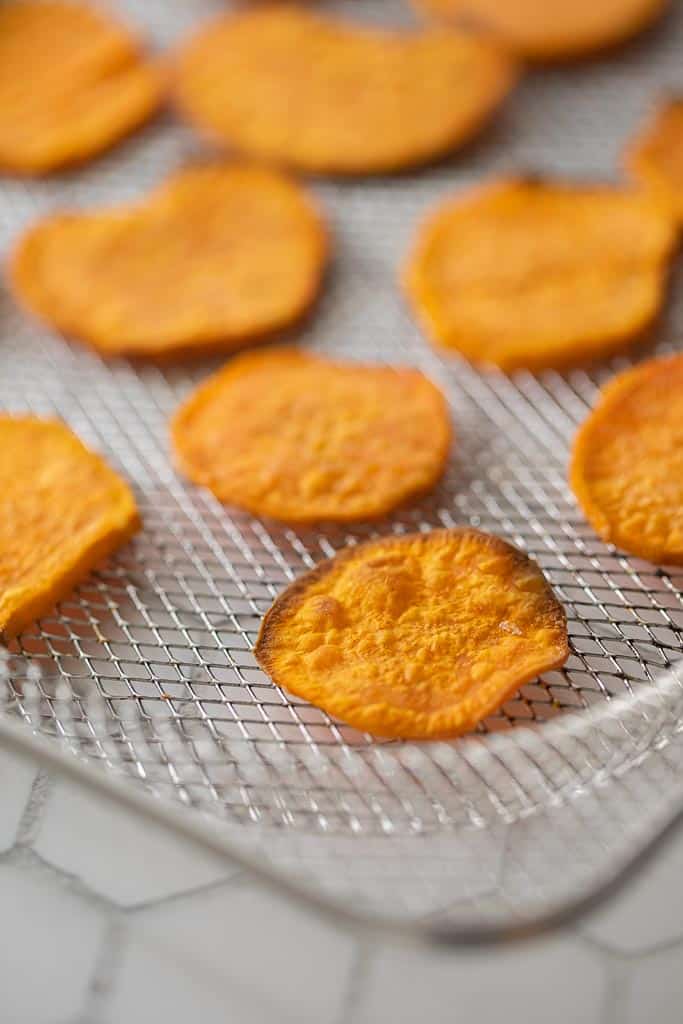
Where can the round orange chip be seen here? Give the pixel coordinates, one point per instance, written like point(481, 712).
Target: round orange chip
point(527, 273)
point(303, 438)
point(72, 83)
point(216, 257)
point(418, 637)
point(655, 157)
point(326, 96)
point(62, 512)
point(560, 30)
point(627, 462)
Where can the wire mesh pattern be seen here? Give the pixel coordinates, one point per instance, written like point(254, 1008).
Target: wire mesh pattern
point(147, 668)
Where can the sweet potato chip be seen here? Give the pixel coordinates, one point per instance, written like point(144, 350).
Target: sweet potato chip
point(560, 30)
point(326, 96)
point(655, 157)
point(418, 637)
point(627, 462)
point(62, 512)
point(216, 257)
point(72, 83)
point(527, 273)
point(303, 438)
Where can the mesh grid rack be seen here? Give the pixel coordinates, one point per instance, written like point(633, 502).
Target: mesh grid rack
point(147, 669)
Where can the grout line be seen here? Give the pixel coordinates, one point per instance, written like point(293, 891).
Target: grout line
point(29, 824)
point(105, 972)
point(617, 991)
point(176, 897)
point(27, 858)
point(356, 984)
point(658, 947)
point(603, 948)
point(625, 956)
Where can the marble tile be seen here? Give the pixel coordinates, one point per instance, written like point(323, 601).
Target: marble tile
point(50, 941)
point(254, 944)
point(16, 778)
point(649, 910)
point(77, 827)
point(157, 981)
point(550, 979)
point(656, 989)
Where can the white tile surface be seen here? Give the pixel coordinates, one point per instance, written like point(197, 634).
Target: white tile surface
point(258, 946)
point(50, 939)
point(649, 910)
point(551, 980)
point(202, 948)
point(16, 778)
point(157, 983)
point(77, 827)
point(656, 989)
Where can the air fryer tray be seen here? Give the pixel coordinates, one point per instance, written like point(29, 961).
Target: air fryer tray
point(147, 670)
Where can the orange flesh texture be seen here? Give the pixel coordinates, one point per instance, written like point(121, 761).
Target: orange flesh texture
point(290, 86)
point(417, 637)
point(655, 158)
point(627, 462)
point(218, 256)
point(72, 82)
point(62, 512)
point(524, 273)
point(303, 438)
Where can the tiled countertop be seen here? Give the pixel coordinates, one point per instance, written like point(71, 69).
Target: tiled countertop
point(107, 921)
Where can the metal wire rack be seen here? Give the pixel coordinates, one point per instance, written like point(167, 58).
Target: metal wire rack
point(147, 669)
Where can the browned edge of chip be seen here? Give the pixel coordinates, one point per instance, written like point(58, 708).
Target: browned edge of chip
point(617, 388)
point(290, 597)
point(21, 287)
point(211, 384)
point(88, 559)
point(469, 134)
point(642, 335)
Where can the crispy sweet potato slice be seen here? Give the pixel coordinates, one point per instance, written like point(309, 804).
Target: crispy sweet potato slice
point(291, 86)
point(419, 636)
point(72, 83)
point(62, 511)
point(627, 462)
point(529, 273)
point(557, 31)
point(217, 257)
point(655, 156)
point(302, 438)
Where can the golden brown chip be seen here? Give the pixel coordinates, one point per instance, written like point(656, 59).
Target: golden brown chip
point(218, 256)
point(326, 96)
point(655, 158)
point(560, 30)
point(419, 637)
point(526, 273)
point(627, 463)
point(72, 83)
point(303, 438)
point(62, 512)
